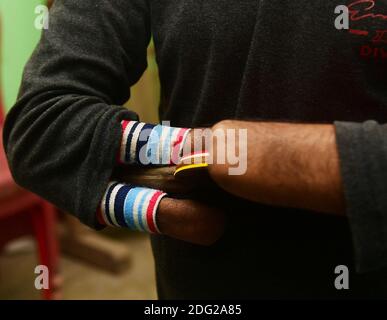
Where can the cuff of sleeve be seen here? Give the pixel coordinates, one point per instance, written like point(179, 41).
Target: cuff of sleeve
point(130, 207)
point(144, 143)
point(360, 150)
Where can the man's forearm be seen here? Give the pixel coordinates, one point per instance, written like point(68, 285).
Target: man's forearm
point(294, 165)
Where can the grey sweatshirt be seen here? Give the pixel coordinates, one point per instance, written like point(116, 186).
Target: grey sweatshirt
point(280, 60)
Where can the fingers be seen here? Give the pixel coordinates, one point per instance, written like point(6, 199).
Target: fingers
point(186, 220)
point(190, 221)
point(197, 142)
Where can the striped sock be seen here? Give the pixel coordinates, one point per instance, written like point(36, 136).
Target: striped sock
point(151, 144)
point(130, 207)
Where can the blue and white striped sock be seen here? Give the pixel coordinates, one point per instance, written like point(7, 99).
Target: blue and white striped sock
point(151, 144)
point(131, 207)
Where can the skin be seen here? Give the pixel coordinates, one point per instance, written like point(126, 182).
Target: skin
point(190, 221)
point(291, 165)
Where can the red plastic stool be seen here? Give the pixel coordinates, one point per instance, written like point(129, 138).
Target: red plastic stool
point(24, 213)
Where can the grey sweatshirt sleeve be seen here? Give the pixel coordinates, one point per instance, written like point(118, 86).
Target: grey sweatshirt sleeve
point(363, 155)
point(63, 134)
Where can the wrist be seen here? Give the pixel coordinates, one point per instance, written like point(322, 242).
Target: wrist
point(130, 207)
point(231, 148)
point(145, 144)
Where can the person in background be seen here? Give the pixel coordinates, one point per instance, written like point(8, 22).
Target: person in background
point(272, 61)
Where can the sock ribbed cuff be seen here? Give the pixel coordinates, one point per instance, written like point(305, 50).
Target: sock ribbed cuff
point(151, 144)
point(130, 207)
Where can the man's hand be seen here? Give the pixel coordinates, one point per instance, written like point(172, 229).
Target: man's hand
point(294, 165)
point(187, 220)
point(190, 221)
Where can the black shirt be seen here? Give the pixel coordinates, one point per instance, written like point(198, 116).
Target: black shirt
point(218, 59)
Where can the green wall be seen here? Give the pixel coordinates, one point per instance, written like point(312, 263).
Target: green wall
point(19, 38)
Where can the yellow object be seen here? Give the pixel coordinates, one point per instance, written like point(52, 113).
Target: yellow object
point(190, 166)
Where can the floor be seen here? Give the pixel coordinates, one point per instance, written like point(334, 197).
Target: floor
point(80, 280)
